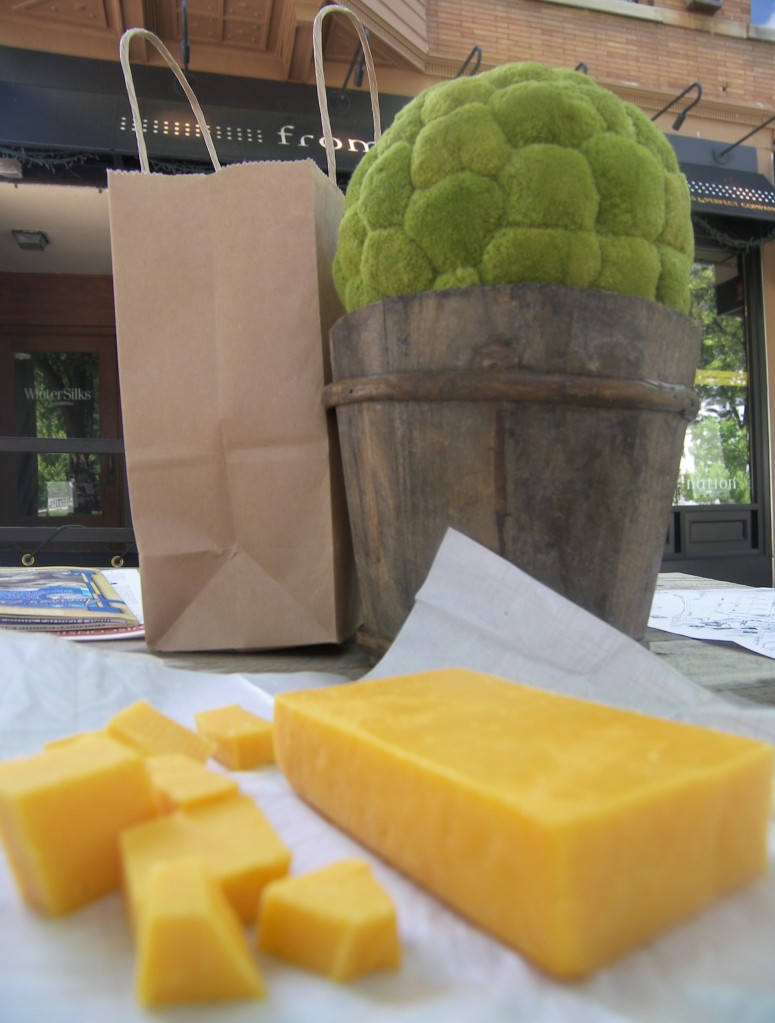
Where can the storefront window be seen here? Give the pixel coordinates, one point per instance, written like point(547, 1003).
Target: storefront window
point(716, 463)
point(61, 451)
point(57, 397)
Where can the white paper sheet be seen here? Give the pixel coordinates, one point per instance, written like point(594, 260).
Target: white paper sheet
point(474, 610)
point(735, 615)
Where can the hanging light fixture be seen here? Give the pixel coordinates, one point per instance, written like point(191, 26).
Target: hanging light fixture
point(476, 56)
point(30, 240)
point(357, 66)
point(721, 155)
point(339, 101)
point(678, 122)
point(185, 45)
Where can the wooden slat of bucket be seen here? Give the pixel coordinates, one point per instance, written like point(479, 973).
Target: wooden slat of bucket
point(545, 423)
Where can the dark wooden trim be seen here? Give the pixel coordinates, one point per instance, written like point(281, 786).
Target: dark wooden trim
point(57, 300)
point(72, 445)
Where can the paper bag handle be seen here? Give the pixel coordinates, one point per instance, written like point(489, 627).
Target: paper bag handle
point(123, 52)
point(317, 50)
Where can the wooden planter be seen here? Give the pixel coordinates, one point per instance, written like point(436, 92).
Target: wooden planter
point(546, 423)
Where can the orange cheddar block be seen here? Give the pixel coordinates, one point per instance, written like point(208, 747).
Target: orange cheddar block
point(237, 843)
point(242, 740)
point(180, 781)
point(65, 740)
point(338, 921)
point(150, 731)
point(61, 813)
point(191, 945)
point(572, 831)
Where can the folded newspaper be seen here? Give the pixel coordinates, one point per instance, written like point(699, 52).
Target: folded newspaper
point(64, 600)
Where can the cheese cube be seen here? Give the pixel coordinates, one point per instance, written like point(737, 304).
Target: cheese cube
point(181, 781)
point(150, 731)
point(191, 945)
point(61, 812)
point(338, 921)
point(570, 830)
point(231, 835)
point(242, 740)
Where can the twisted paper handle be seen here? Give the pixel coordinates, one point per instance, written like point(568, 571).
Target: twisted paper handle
point(317, 51)
point(123, 52)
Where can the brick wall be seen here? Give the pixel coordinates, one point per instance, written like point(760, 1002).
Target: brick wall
point(715, 49)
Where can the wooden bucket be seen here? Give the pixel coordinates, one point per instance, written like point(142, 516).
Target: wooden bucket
point(546, 423)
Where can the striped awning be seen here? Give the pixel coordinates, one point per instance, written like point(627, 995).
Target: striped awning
point(731, 192)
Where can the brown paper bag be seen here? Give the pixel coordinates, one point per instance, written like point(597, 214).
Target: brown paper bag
point(224, 298)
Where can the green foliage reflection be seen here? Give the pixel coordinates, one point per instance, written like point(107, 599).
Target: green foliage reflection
point(716, 463)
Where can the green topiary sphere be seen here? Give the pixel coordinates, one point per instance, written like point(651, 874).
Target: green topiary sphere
point(522, 173)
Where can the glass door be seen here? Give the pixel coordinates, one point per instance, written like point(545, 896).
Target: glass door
point(716, 467)
point(720, 523)
point(61, 462)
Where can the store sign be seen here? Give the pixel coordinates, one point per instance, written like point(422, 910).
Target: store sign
point(237, 137)
point(711, 488)
point(59, 497)
point(64, 396)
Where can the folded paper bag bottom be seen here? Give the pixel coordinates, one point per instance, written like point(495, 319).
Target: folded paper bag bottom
point(570, 830)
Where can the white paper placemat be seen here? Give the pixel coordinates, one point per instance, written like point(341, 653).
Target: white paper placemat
point(477, 611)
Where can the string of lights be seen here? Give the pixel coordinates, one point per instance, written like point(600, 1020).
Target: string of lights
point(728, 240)
point(53, 160)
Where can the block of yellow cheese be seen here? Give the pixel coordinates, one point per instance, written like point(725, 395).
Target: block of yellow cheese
point(236, 841)
point(570, 830)
point(150, 731)
point(191, 945)
point(65, 740)
point(61, 813)
point(338, 921)
point(181, 781)
point(242, 740)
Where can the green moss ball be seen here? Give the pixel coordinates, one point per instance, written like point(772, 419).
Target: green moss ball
point(522, 173)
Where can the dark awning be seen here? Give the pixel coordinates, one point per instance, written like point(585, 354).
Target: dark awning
point(56, 102)
point(733, 192)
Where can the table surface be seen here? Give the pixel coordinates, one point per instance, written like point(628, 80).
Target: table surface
point(722, 667)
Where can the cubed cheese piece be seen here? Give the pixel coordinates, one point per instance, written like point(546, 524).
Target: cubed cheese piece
point(242, 740)
point(570, 830)
point(191, 945)
point(180, 781)
point(61, 812)
point(232, 836)
point(338, 921)
point(150, 731)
